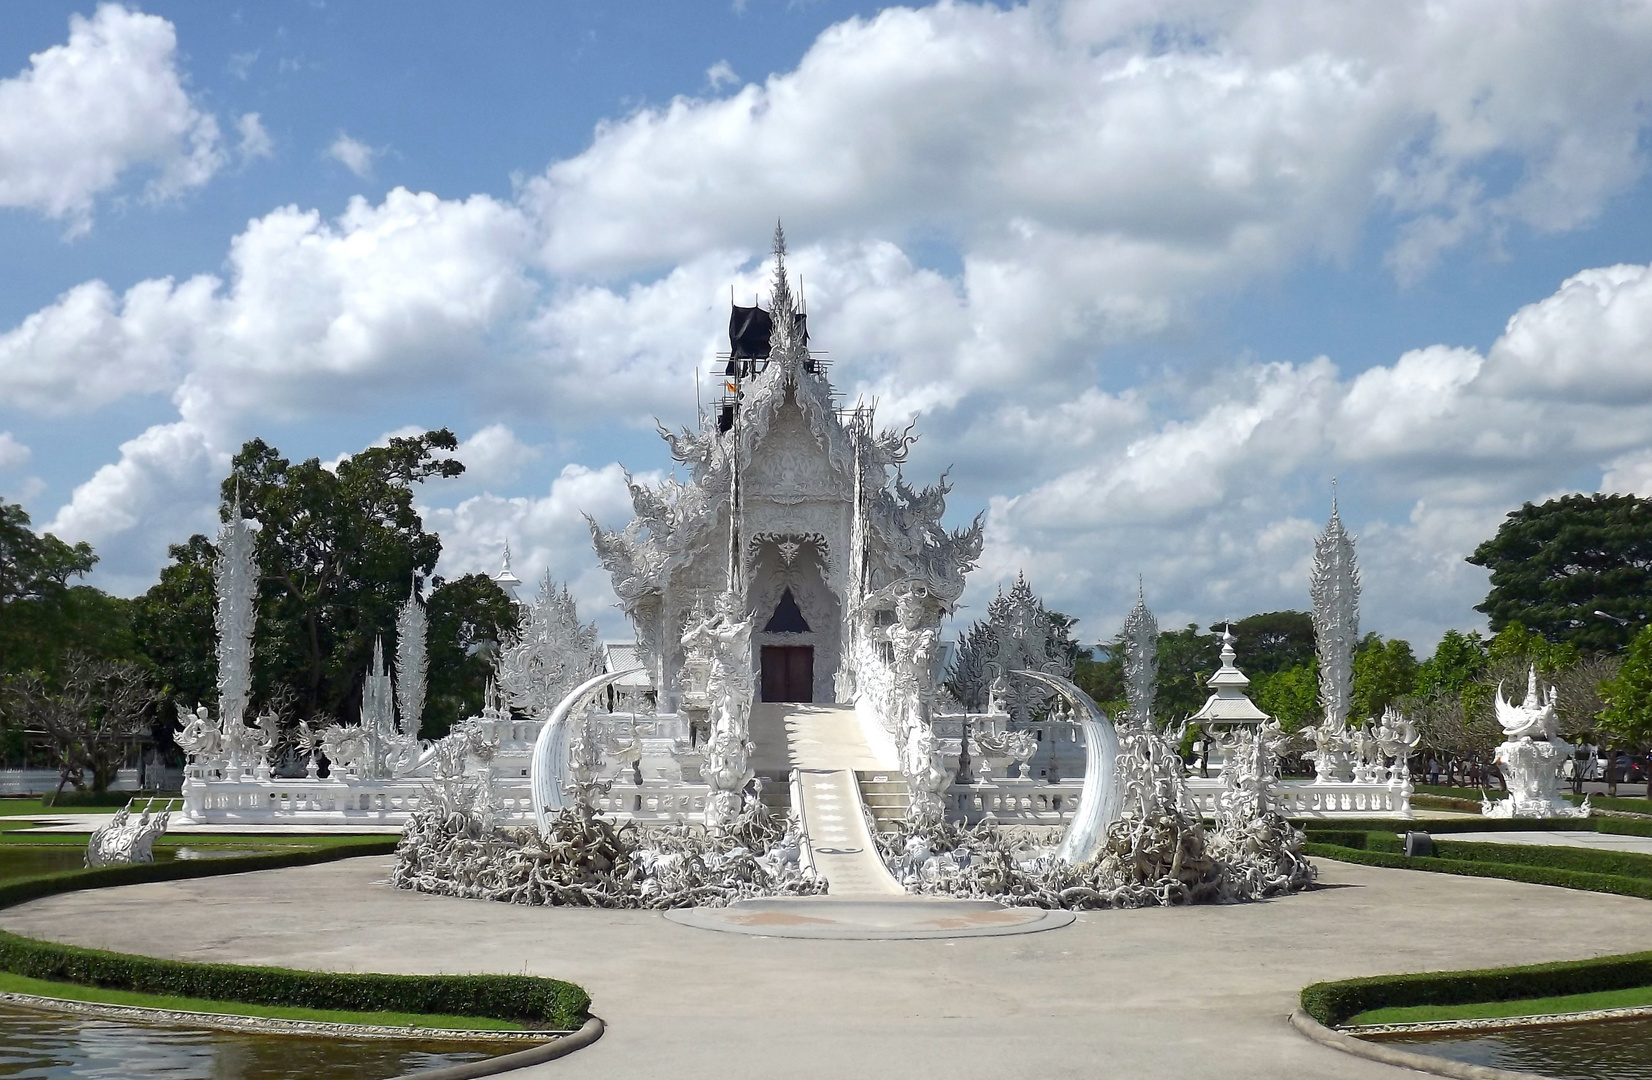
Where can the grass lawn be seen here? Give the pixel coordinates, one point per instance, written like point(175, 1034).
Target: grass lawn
point(18, 984)
point(11, 806)
point(1481, 1010)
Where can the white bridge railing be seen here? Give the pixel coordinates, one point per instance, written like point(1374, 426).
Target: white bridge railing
point(1038, 801)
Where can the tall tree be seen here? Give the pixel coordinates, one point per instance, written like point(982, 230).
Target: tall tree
point(336, 549)
point(42, 616)
point(1187, 659)
point(1274, 641)
point(1383, 672)
point(101, 708)
point(1554, 565)
point(173, 629)
point(1459, 659)
point(469, 617)
point(1628, 696)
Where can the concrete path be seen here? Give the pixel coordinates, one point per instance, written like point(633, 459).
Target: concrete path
point(1180, 992)
point(1558, 838)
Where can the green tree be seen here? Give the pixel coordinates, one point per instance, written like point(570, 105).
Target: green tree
point(1554, 565)
point(468, 616)
point(1273, 641)
point(99, 711)
point(1290, 696)
point(1384, 671)
point(1187, 659)
point(1459, 659)
point(42, 616)
point(1628, 696)
point(337, 549)
point(172, 625)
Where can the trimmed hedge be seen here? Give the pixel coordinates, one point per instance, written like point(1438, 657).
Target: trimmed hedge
point(1333, 1003)
point(1529, 873)
point(526, 998)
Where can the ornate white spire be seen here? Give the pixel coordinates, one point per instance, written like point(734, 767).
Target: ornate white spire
point(783, 341)
point(505, 579)
point(378, 712)
point(235, 575)
point(411, 661)
point(1141, 661)
point(1335, 588)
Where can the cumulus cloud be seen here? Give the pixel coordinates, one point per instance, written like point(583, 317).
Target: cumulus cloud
point(255, 140)
point(84, 113)
point(353, 154)
point(546, 534)
point(13, 454)
point(1209, 507)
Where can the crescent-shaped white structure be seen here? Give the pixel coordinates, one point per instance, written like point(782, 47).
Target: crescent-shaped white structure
point(1099, 802)
point(548, 768)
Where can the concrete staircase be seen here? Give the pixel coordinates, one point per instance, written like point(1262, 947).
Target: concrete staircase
point(825, 745)
point(885, 793)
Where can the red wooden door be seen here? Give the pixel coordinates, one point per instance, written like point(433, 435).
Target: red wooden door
point(788, 673)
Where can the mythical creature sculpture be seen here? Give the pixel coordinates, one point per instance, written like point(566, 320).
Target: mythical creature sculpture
point(198, 734)
point(122, 840)
point(1396, 737)
point(347, 747)
point(725, 638)
point(1531, 756)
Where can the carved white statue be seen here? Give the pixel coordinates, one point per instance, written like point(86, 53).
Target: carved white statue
point(725, 638)
point(1531, 757)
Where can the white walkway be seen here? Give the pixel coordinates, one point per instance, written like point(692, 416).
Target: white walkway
point(824, 743)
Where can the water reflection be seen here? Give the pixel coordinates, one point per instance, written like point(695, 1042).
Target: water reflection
point(1615, 1050)
point(41, 1046)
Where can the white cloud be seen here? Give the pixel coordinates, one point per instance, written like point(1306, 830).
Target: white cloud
point(160, 491)
point(255, 140)
point(545, 533)
point(13, 454)
point(721, 74)
point(1035, 137)
point(85, 112)
point(495, 456)
point(353, 154)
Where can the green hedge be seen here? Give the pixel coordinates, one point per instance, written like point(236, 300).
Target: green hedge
point(1333, 1003)
point(1529, 873)
point(548, 1002)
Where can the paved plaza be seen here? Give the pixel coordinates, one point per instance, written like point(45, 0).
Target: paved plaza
point(1182, 992)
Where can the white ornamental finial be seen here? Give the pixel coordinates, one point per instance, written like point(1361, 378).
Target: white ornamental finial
point(1141, 661)
point(1334, 585)
point(782, 307)
point(507, 580)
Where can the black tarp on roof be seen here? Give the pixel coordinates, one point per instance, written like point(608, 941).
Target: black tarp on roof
point(748, 333)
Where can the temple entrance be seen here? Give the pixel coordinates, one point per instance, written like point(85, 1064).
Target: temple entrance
point(788, 673)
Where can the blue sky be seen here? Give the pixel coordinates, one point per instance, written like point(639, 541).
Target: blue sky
point(1148, 274)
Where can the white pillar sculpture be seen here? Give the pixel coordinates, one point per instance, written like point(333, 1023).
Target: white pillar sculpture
point(411, 662)
point(235, 577)
point(1334, 585)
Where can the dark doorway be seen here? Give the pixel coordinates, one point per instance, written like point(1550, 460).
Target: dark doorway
point(788, 673)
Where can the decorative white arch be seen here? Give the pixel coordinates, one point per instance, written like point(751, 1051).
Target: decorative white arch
point(1100, 800)
point(548, 769)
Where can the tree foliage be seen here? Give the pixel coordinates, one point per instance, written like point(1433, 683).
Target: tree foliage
point(1384, 671)
point(42, 616)
point(173, 629)
point(1274, 641)
point(1553, 565)
point(1628, 696)
point(337, 548)
point(469, 617)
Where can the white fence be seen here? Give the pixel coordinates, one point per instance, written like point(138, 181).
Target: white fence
point(1039, 801)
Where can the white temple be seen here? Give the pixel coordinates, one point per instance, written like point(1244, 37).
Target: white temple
point(787, 597)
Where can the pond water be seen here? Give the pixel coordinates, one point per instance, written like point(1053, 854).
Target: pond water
point(20, 860)
point(41, 1046)
point(1614, 1050)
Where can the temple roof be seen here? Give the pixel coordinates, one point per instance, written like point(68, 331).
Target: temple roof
point(1229, 704)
